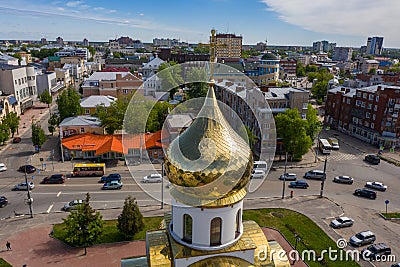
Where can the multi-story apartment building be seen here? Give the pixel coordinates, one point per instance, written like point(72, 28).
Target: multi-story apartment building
point(85, 42)
point(323, 46)
point(369, 113)
point(115, 84)
point(19, 81)
point(47, 82)
point(365, 65)
point(60, 41)
point(151, 67)
point(282, 98)
point(342, 54)
point(384, 78)
point(288, 67)
point(80, 52)
point(8, 60)
point(266, 70)
point(167, 54)
point(374, 45)
point(228, 45)
point(165, 42)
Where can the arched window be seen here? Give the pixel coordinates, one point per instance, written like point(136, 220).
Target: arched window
point(238, 220)
point(187, 228)
point(215, 231)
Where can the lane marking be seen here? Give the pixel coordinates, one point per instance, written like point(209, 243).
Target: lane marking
point(49, 209)
point(59, 193)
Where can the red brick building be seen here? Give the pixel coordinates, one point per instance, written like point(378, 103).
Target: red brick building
point(370, 113)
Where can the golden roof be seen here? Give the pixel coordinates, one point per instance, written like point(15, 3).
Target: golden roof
point(209, 160)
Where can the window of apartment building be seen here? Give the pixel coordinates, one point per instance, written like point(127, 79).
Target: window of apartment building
point(355, 120)
point(344, 100)
point(87, 111)
point(19, 81)
point(348, 101)
point(372, 125)
point(373, 116)
point(112, 85)
point(363, 104)
point(15, 82)
point(377, 98)
point(358, 103)
point(25, 79)
point(366, 124)
point(371, 97)
point(365, 95)
point(375, 107)
point(369, 106)
point(333, 105)
point(358, 94)
point(367, 115)
point(125, 91)
point(82, 130)
point(305, 105)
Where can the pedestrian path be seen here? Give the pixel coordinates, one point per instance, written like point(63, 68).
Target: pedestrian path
point(341, 156)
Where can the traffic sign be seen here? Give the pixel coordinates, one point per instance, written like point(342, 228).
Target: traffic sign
point(386, 201)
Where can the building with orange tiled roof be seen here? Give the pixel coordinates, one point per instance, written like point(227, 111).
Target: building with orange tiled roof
point(132, 147)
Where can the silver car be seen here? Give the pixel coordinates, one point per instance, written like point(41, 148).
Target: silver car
point(112, 185)
point(22, 186)
point(341, 222)
point(73, 204)
point(343, 179)
point(362, 238)
point(376, 185)
point(288, 177)
point(152, 178)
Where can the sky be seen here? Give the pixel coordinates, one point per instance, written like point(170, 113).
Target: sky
point(280, 22)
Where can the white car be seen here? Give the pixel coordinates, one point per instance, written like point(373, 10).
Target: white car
point(342, 222)
point(152, 178)
point(73, 204)
point(376, 185)
point(22, 186)
point(288, 177)
point(3, 167)
point(257, 174)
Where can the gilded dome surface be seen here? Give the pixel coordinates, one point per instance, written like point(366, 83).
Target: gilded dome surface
point(209, 162)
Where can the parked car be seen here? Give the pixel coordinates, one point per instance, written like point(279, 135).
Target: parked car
point(373, 159)
point(3, 201)
point(365, 193)
point(362, 238)
point(257, 174)
point(343, 179)
point(22, 186)
point(54, 179)
point(3, 167)
point(315, 174)
point(341, 222)
point(376, 185)
point(16, 140)
point(152, 178)
point(334, 143)
point(395, 265)
point(112, 185)
point(299, 184)
point(27, 168)
point(288, 177)
point(260, 165)
point(111, 177)
point(74, 204)
point(376, 251)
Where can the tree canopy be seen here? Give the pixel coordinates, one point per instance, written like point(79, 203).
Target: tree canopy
point(314, 125)
point(320, 79)
point(12, 122)
point(38, 135)
point(130, 221)
point(112, 117)
point(197, 89)
point(46, 98)
point(292, 129)
point(69, 104)
point(4, 133)
point(84, 225)
point(171, 76)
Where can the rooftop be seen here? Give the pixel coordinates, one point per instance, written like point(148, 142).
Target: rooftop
point(94, 100)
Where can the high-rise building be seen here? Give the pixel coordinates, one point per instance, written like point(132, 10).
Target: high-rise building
point(374, 45)
point(228, 45)
point(323, 46)
point(43, 41)
point(60, 40)
point(342, 53)
point(85, 42)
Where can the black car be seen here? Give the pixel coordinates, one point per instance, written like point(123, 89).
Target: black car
point(54, 179)
point(365, 193)
point(299, 184)
point(27, 168)
point(111, 177)
point(3, 201)
point(373, 159)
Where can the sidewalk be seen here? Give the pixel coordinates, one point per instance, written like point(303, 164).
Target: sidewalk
point(33, 246)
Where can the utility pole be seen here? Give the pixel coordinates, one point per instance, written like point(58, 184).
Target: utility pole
point(324, 178)
point(284, 177)
point(162, 185)
point(30, 199)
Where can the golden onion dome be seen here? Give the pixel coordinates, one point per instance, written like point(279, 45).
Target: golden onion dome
point(209, 164)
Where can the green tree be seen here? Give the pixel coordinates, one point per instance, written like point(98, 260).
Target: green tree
point(38, 135)
point(46, 98)
point(314, 125)
point(171, 76)
point(53, 122)
point(252, 138)
point(300, 70)
point(69, 104)
point(292, 129)
point(116, 54)
point(197, 89)
point(4, 133)
point(84, 225)
point(372, 71)
point(157, 116)
point(130, 221)
point(112, 117)
point(12, 122)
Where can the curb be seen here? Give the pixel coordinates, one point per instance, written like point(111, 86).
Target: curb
point(388, 219)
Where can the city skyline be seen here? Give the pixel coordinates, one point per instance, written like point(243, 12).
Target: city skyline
point(291, 22)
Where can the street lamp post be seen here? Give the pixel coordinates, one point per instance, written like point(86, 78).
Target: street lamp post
point(323, 178)
point(162, 185)
point(284, 177)
point(30, 200)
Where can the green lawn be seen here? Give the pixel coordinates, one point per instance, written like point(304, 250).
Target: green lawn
point(3, 263)
point(391, 215)
point(288, 222)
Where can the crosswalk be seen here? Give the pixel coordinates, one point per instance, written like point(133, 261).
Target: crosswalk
point(341, 156)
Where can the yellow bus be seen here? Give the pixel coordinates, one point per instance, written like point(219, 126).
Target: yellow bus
point(89, 169)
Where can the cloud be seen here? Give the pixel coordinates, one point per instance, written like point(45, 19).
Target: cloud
point(73, 3)
point(99, 8)
point(141, 14)
point(60, 8)
point(112, 11)
point(350, 17)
